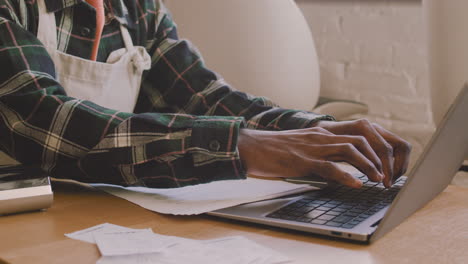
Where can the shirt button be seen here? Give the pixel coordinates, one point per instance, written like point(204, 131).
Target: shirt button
point(85, 31)
point(214, 145)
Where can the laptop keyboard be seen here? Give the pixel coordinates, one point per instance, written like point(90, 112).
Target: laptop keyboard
point(340, 206)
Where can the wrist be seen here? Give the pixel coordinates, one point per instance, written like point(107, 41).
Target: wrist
point(248, 145)
point(242, 143)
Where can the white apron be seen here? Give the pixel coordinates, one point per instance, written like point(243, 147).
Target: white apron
point(114, 84)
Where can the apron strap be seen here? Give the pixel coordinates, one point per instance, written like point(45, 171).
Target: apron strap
point(47, 29)
point(126, 37)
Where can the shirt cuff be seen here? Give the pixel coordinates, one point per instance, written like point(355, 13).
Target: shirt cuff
point(302, 119)
point(214, 143)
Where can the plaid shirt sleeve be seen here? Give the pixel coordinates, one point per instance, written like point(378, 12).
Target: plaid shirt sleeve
point(183, 131)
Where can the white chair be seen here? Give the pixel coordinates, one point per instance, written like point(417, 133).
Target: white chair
point(262, 47)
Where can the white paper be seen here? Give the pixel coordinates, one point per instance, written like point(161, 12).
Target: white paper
point(228, 250)
point(204, 198)
point(87, 235)
point(130, 242)
point(131, 259)
point(121, 245)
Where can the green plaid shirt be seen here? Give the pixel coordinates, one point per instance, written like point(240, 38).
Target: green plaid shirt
point(184, 128)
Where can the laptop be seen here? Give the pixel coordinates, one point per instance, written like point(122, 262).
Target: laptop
point(368, 213)
point(23, 189)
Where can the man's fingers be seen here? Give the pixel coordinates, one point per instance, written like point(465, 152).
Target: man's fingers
point(355, 150)
point(383, 149)
point(363, 127)
point(361, 144)
point(330, 171)
point(385, 152)
point(349, 153)
point(401, 151)
point(362, 153)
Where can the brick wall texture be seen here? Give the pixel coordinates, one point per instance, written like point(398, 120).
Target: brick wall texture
point(374, 51)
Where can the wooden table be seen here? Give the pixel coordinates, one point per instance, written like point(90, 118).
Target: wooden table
point(436, 234)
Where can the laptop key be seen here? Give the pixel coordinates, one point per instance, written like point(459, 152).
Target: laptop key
point(335, 224)
point(318, 222)
point(342, 219)
point(326, 217)
point(354, 222)
point(333, 213)
point(361, 207)
point(339, 210)
point(315, 213)
point(351, 214)
point(380, 206)
point(316, 203)
point(323, 208)
point(304, 210)
point(365, 215)
point(362, 218)
point(304, 219)
point(295, 213)
point(348, 225)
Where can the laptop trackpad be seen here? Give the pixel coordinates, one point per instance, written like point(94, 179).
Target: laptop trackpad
point(255, 208)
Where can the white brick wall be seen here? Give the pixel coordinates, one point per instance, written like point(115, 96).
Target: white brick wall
point(374, 51)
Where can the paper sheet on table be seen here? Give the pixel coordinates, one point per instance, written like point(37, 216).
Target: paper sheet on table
point(227, 250)
point(87, 235)
point(204, 198)
point(122, 245)
point(130, 243)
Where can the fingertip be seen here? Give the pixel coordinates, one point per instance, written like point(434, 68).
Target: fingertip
point(380, 177)
point(352, 181)
point(388, 178)
point(357, 183)
point(388, 182)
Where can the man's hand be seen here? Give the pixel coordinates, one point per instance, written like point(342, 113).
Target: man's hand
point(376, 152)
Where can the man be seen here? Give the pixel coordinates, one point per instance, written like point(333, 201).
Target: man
point(106, 92)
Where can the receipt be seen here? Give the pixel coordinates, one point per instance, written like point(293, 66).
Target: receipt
point(130, 242)
point(87, 235)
